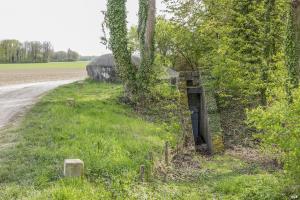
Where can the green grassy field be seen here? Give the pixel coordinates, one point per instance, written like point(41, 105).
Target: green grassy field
point(51, 65)
point(113, 142)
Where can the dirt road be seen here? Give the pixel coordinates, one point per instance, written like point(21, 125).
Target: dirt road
point(15, 98)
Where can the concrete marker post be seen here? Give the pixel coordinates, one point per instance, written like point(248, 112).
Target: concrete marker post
point(73, 168)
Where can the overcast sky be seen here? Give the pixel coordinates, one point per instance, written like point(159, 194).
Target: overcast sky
point(74, 24)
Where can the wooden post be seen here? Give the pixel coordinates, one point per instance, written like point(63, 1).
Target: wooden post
point(151, 159)
point(150, 156)
point(142, 173)
point(167, 153)
point(98, 146)
point(165, 177)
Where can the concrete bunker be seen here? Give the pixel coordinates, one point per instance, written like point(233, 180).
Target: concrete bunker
point(202, 119)
point(104, 68)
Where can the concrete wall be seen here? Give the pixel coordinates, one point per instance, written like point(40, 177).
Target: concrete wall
point(210, 124)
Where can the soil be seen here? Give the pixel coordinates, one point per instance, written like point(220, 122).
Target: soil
point(15, 76)
point(257, 157)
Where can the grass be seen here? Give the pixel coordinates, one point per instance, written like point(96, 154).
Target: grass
point(113, 141)
point(51, 65)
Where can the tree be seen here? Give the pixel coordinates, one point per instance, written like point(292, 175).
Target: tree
point(278, 122)
point(47, 51)
point(35, 52)
point(59, 56)
point(118, 42)
point(293, 47)
point(137, 79)
point(72, 55)
point(146, 31)
point(13, 51)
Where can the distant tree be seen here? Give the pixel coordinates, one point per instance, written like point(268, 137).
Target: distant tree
point(47, 51)
point(10, 51)
point(86, 58)
point(62, 56)
point(13, 51)
point(59, 56)
point(72, 55)
point(35, 52)
point(26, 50)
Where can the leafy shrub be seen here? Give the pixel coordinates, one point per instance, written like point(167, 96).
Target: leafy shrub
point(279, 127)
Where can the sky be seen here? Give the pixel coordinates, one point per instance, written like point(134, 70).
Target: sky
point(74, 24)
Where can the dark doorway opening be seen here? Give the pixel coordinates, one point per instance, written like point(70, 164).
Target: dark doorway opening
point(196, 106)
point(189, 83)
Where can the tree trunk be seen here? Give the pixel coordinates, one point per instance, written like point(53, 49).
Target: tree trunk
point(150, 28)
point(146, 31)
point(117, 24)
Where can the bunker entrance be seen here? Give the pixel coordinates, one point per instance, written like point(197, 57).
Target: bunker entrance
point(196, 104)
point(202, 121)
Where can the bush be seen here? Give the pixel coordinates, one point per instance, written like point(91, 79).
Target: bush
point(279, 127)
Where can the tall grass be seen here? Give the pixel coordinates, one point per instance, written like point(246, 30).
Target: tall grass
point(111, 140)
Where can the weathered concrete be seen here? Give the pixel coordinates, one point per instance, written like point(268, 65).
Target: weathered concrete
point(104, 68)
point(73, 168)
point(209, 125)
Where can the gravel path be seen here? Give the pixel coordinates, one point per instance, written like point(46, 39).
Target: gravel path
point(15, 99)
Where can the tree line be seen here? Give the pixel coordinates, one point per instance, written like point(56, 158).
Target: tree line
point(13, 51)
